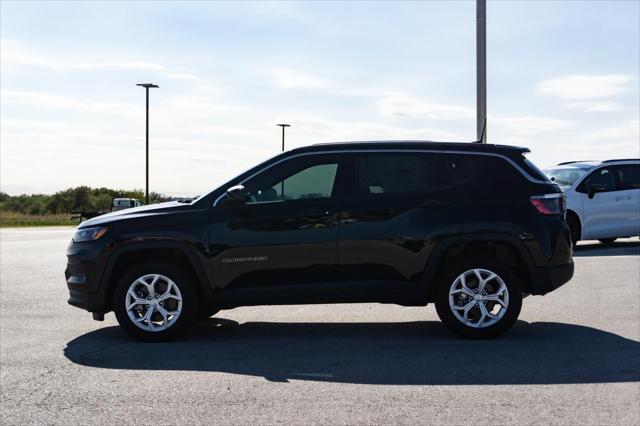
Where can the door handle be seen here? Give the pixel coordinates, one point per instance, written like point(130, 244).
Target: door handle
point(316, 212)
point(434, 204)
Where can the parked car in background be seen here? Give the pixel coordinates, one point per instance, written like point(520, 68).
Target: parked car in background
point(603, 198)
point(473, 228)
point(124, 203)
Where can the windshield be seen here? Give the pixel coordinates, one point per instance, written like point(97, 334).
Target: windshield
point(565, 177)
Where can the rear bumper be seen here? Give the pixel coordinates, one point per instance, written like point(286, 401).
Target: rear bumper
point(548, 279)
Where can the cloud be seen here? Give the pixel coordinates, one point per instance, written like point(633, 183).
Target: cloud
point(288, 78)
point(595, 106)
point(278, 9)
point(586, 86)
point(13, 54)
point(399, 105)
point(41, 100)
point(527, 125)
point(312, 129)
point(396, 104)
point(627, 132)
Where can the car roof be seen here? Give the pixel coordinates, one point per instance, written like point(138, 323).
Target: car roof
point(585, 165)
point(412, 144)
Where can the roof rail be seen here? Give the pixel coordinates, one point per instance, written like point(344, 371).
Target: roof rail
point(622, 159)
point(577, 161)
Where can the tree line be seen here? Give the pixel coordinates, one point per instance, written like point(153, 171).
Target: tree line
point(81, 198)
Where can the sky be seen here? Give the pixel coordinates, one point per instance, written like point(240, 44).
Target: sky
point(562, 78)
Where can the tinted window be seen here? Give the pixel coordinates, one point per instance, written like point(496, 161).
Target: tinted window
point(312, 182)
point(533, 170)
point(628, 176)
point(379, 174)
point(600, 177)
point(484, 177)
point(297, 179)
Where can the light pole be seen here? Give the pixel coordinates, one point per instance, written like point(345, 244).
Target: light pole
point(481, 71)
point(147, 86)
point(283, 126)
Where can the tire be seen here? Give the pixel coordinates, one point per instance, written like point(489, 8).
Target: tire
point(504, 286)
point(574, 228)
point(172, 316)
point(607, 240)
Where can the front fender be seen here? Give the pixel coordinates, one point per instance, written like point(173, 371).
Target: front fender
point(139, 247)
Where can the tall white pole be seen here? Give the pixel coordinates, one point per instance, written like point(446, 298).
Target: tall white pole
point(481, 70)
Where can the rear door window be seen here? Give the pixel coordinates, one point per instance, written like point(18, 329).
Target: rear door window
point(627, 176)
point(394, 174)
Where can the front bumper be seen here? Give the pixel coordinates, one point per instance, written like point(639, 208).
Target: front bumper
point(80, 295)
point(83, 277)
point(547, 279)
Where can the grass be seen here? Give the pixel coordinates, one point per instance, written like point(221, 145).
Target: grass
point(13, 219)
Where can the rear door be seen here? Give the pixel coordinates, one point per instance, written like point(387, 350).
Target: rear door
point(398, 207)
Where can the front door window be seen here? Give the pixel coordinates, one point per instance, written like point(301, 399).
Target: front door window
point(301, 179)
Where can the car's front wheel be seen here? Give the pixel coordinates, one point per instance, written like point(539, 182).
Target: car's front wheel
point(478, 299)
point(155, 302)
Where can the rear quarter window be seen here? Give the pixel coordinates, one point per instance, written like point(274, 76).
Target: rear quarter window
point(533, 170)
point(485, 177)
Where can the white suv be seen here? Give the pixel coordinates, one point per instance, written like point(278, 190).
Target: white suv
point(603, 198)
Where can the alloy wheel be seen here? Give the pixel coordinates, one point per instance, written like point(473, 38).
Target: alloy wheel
point(153, 302)
point(478, 298)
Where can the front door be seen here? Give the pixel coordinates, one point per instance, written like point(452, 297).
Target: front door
point(602, 215)
point(285, 233)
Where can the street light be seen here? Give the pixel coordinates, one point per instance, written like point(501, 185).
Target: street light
point(283, 126)
point(147, 86)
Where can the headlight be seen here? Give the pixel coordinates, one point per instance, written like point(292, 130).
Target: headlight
point(88, 234)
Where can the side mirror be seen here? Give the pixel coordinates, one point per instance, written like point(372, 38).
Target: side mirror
point(238, 194)
point(595, 188)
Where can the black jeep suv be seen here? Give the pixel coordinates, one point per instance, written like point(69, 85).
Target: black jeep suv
point(471, 227)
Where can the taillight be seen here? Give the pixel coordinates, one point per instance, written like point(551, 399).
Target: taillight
point(549, 203)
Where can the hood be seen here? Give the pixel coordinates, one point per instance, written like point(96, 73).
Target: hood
point(134, 212)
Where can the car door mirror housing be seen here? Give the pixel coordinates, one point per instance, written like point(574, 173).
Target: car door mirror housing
point(595, 188)
point(237, 194)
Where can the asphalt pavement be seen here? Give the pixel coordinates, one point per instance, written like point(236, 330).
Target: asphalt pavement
point(573, 357)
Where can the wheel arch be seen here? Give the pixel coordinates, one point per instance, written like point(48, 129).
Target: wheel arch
point(574, 214)
point(506, 248)
point(130, 254)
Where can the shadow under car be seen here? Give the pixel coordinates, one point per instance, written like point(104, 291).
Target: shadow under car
point(401, 353)
point(618, 248)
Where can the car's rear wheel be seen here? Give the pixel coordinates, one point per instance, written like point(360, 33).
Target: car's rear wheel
point(478, 299)
point(155, 302)
point(607, 240)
